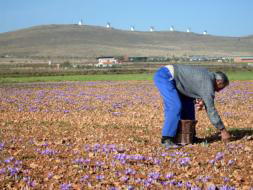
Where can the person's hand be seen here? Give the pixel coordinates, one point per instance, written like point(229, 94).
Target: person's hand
point(199, 104)
point(225, 136)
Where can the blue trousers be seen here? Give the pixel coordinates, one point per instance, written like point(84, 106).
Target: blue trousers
point(176, 106)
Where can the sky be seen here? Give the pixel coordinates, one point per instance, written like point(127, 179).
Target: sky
point(217, 17)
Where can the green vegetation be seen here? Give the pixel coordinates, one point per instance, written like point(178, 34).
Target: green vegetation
point(105, 77)
point(242, 75)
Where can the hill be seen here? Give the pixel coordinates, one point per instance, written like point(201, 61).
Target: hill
point(91, 41)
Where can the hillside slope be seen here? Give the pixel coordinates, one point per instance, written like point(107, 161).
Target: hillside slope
point(90, 41)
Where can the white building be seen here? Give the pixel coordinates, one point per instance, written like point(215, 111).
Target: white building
point(80, 23)
point(108, 25)
point(106, 61)
point(132, 28)
point(188, 30)
point(151, 29)
point(172, 28)
point(205, 32)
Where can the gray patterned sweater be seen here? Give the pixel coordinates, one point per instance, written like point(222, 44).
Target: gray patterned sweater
point(196, 82)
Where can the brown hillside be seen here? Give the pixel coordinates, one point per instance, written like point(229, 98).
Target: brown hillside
point(90, 41)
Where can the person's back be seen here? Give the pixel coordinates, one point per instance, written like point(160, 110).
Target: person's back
point(193, 81)
point(198, 82)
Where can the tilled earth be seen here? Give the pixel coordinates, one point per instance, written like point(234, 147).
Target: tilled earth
point(106, 135)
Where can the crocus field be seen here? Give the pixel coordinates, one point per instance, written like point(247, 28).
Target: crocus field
point(106, 135)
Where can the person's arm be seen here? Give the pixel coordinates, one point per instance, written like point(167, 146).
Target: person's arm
point(212, 112)
point(214, 116)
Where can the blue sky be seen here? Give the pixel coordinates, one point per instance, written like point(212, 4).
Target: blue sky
point(218, 17)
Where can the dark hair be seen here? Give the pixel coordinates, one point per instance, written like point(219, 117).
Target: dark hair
point(222, 76)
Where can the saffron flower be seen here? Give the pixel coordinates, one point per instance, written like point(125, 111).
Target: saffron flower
point(66, 186)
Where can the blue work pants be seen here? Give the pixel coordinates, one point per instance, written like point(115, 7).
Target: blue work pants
point(176, 105)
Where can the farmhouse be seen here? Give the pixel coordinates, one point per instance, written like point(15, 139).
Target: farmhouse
point(244, 59)
point(106, 61)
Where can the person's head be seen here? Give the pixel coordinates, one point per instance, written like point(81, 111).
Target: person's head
point(221, 81)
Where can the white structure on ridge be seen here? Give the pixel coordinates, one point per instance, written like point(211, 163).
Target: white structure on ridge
point(172, 28)
point(205, 32)
point(132, 28)
point(152, 29)
point(188, 30)
point(80, 23)
point(108, 25)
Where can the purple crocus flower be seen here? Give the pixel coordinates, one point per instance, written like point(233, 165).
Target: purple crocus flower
point(138, 157)
point(156, 161)
point(49, 152)
point(226, 179)
point(169, 175)
point(50, 175)
point(13, 171)
point(86, 161)
point(211, 187)
point(179, 184)
point(99, 164)
point(212, 162)
point(154, 175)
point(188, 184)
point(9, 160)
point(2, 171)
point(113, 188)
point(45, 144)
point(130, 187)
point(184, 161)
point(78, 161)
point(195, 188)
point(219, 156)
point(231, 162)
point(17, 163)
point(120, 156)
point(124, 178)
point(173, 160)
point(147, 183)
point(164, 183)
point(138, 180)
point(29, 182)
point(1, 146)
point(66, 186)
point(130, 171)
point(164, 154)
point(173, 182)
point(100, 177)
point(84, 178)
point(117, 173)
point(87, 148)
point(204, 179)
point(226, 187)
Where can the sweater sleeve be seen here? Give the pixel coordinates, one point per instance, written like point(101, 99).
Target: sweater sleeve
point(212, 113)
